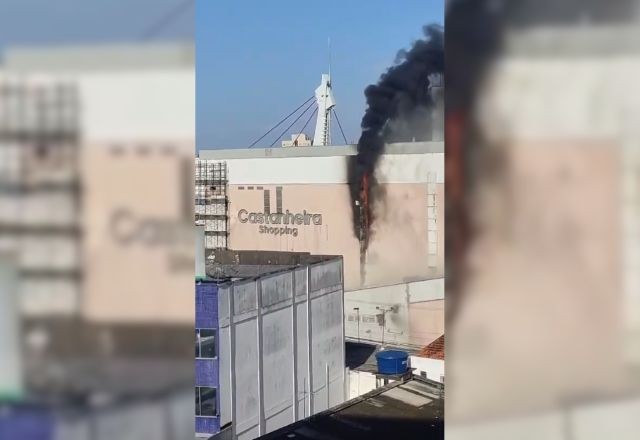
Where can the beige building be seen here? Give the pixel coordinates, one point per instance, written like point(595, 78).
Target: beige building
point(308, 186)
point(298, 140)
point(138, 248)
point(554, 291)
point(297, 199)
point(93, 144)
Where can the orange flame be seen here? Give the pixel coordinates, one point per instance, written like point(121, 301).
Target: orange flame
point(364, 198)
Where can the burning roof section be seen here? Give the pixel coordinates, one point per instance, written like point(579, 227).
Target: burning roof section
point(435, 350)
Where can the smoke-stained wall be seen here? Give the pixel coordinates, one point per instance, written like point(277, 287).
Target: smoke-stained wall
point(275, 208)
point(400, 108)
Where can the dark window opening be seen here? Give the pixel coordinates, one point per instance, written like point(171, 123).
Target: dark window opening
point(267, 201)
point(206, 402)
point(279, 199)
point(205, 343)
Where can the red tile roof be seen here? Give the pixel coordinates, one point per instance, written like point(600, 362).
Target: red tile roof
point(435, 350)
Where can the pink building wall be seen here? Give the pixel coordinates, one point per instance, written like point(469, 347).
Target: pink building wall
point(398, 249)
point(426, 321)
point(138, 248)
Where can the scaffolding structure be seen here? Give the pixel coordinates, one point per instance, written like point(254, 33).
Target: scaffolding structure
point(40, 191)
point(212, 201)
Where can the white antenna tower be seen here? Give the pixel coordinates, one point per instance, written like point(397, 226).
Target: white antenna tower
point(324, 98)
point(329, 50)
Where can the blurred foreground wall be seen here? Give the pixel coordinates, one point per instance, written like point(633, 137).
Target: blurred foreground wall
point(96, 214)
point(98, 142)
point(544, 340)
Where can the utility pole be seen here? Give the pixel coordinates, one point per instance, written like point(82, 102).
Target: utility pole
point(357, 309)
point(384, 320)
point(384, 324)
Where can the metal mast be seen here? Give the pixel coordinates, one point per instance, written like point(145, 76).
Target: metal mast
point(324, 98)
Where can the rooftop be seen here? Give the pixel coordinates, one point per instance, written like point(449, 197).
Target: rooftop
point(77, 384)
point(575, 41)
point(361, 356)
point(228, 265)
point(100, 57)
point(84, 398)
point(435, 350)
point(317, 151)
point(409, 410)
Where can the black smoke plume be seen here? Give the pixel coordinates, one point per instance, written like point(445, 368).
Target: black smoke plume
point(399, 108)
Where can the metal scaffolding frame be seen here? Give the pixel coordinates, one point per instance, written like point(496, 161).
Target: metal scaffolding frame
point(212, 201)
point(40, 189)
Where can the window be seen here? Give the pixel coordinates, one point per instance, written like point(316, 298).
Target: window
point(206, 404)
point(205, 343)
point(279, 199)
point(267, 201)
point(368, 319)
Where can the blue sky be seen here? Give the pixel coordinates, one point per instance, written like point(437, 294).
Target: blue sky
point(42, 22)
point(258, 60)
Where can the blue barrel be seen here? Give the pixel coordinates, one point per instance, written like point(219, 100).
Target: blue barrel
point(392, 361)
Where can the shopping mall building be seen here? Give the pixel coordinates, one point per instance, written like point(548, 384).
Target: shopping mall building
point(298, 199)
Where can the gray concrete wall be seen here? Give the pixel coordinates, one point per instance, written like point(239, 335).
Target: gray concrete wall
point(284, 338)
